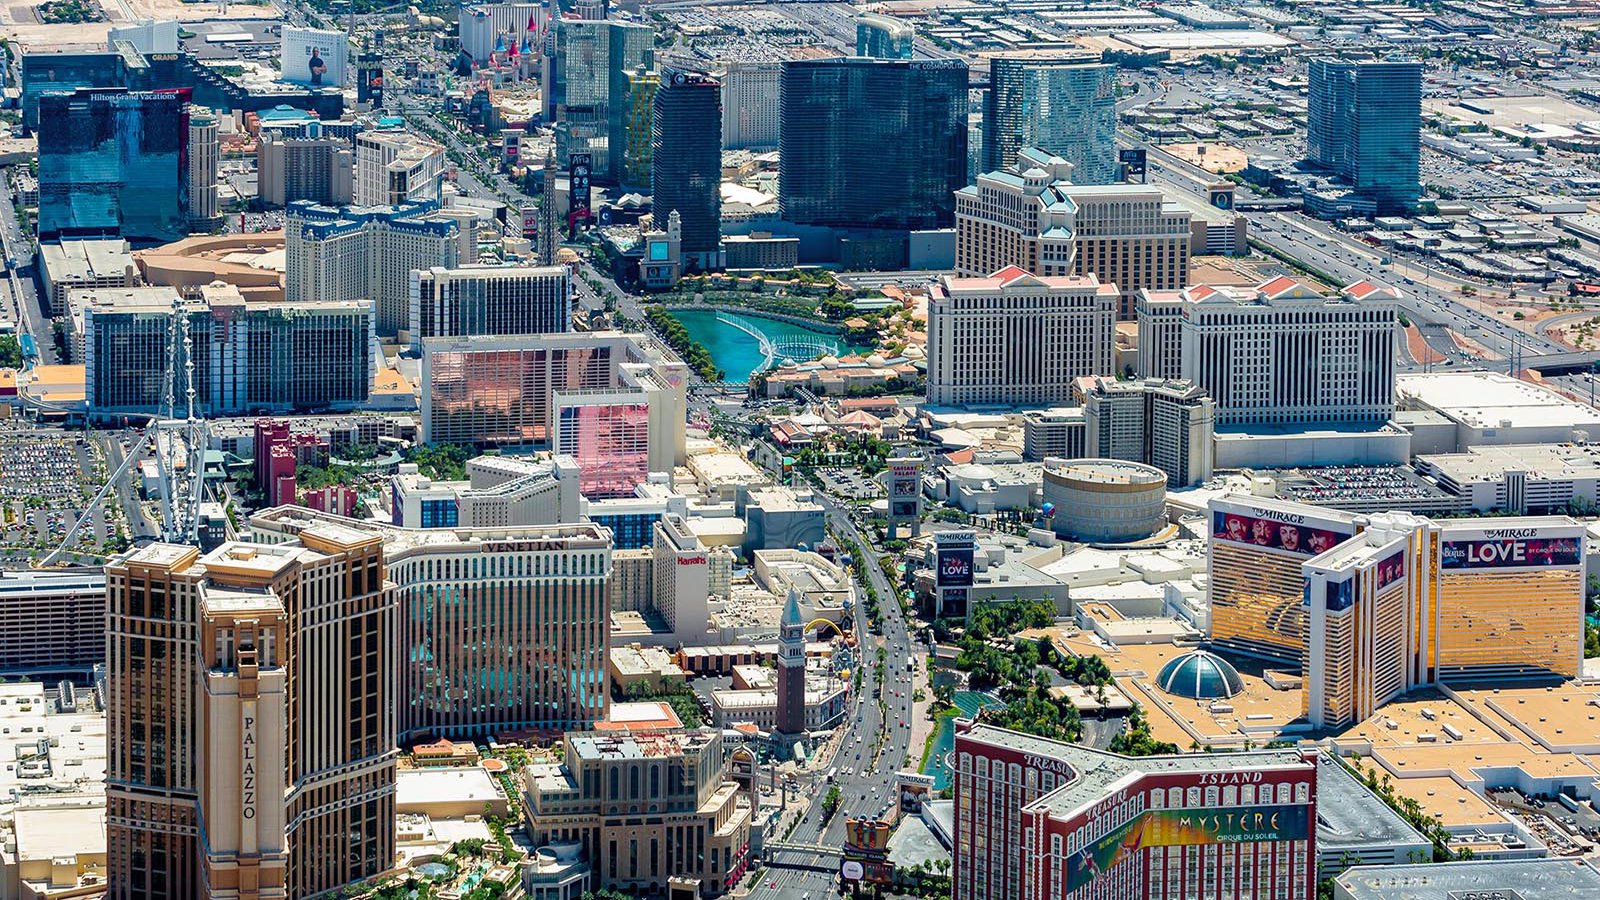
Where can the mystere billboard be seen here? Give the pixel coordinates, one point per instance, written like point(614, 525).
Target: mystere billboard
point(1277, 530)
point(1186, 828)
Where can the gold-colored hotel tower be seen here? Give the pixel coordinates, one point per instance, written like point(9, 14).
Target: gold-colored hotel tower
point(1372, 606)
point(251, 718)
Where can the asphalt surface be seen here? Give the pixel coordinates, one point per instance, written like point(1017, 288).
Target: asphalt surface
point(22, 304)
point(865, 772)
point(1428, 295)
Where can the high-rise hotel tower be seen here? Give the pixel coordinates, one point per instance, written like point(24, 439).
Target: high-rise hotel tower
point(250, 717)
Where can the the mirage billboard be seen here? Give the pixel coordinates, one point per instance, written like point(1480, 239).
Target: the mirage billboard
point(1556, 546)
point(1299, 531)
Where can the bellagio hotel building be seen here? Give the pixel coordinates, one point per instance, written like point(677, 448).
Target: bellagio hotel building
point(1373, 606)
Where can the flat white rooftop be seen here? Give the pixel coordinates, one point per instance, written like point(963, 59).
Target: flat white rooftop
point(419, 787)
point(1492, 400)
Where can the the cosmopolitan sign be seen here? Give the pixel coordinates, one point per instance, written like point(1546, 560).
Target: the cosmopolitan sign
point(1511, 548)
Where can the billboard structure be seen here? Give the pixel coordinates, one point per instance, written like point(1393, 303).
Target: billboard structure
point(1510, 552)
point(1185, 828)
point(1134, 162)
point(954, 564)
point(865, 855)
point(579, 167)
point(369, 80)
point(314, 57)
point(1273, 532)
point(904, 480)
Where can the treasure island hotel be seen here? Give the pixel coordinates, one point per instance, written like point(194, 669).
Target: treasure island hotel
point(251, 718)
point(1372, 606)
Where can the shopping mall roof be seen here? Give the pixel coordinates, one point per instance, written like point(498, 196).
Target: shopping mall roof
point(294, 520)
point(1522, 879)
point(1554, 462)
point(1490, 399)
point(1349, 816)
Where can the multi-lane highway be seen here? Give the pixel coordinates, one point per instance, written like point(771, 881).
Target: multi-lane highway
point(875, 740)
point(1428, 295)
point(23, 304)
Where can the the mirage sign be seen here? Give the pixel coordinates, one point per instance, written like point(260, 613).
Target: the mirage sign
point(1276, 529)
point(1512, 548)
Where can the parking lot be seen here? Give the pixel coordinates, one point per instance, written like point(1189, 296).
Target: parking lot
point(850, 483)
point(47, 477)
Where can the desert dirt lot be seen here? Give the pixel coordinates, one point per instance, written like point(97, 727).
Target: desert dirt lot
point(19, 22)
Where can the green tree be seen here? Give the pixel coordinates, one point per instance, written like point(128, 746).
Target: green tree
point(1136, 739)
point(442, 462)
point(10, 352)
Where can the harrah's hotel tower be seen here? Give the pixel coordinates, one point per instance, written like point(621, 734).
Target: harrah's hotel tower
point(1038, 819)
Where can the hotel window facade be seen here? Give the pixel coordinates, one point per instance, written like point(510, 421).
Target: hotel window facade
point(610, 441)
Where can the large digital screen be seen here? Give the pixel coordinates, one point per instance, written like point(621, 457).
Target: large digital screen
point(579, 168)
point(955, 568)
point(1510, 553)
point(1340, 595)
point(1290, 534)
point(314, 57)
point(1391, 570)
point(369, 81)
point(1185, 828)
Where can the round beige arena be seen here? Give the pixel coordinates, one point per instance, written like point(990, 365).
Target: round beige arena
point(1105, 501)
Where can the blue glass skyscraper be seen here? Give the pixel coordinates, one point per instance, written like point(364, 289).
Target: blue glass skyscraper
point(1364, 120)
point(873, 143)
point(114, 163)
point(884, 37)
point(686, 156)
point(1065, 104)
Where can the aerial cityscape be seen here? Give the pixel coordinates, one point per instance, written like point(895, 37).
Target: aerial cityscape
point(680, 449)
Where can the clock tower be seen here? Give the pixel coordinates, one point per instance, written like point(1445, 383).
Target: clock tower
point(792, 669)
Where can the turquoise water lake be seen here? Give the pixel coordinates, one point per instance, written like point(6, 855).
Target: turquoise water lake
point(741, 354)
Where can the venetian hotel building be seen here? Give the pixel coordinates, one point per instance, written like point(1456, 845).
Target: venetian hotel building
point(500, 630)
point(1038, 819)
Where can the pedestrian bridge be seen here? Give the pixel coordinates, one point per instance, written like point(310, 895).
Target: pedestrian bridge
point(1564, 362)
point(775, 351)
point(808, 857)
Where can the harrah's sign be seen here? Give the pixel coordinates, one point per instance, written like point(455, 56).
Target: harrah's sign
point(698, 559)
